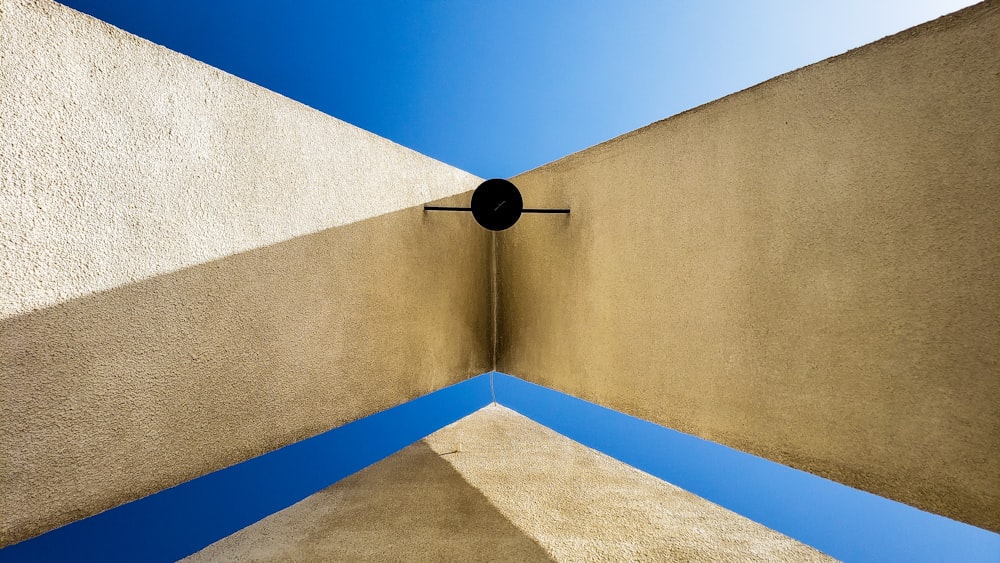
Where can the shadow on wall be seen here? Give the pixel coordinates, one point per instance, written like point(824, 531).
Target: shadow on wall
point(113, 396)
point(808, 270)
point(411, 506)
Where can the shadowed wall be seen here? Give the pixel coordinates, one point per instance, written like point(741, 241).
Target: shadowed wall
point(496, 486)
point(807, 270)
point(197, 271)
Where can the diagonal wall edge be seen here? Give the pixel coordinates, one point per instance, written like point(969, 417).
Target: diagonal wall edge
point(840, 521)
point(782, 271)
point(212, 506)
point(196, 271)
point(808, 270)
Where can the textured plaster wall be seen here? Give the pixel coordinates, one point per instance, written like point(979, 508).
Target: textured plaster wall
point(808, 270)
point(196, 270)
point(169, 162)
point(496, 486)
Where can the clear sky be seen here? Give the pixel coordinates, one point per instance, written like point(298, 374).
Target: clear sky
point(498, 88)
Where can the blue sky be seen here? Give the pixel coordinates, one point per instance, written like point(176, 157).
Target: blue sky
point(498, 88)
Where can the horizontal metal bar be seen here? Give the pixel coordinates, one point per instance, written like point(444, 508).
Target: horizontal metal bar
point(438, 208)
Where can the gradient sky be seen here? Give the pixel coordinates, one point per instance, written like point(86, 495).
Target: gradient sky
point(498, 88)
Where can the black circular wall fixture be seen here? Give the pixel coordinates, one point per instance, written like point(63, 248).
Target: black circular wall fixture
point(496, 205)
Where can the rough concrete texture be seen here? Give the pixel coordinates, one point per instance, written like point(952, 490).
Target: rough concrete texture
point(514, 491)
point(164, 313)
point(808, 270)
point(166, 161)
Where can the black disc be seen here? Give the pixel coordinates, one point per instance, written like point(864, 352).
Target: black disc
point(497, 204)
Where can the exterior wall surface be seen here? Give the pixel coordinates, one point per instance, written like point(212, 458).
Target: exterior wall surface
point(808, 270)
point(527, 494)
point(196, 270)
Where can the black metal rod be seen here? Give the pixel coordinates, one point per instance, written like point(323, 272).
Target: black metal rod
point(438, 208)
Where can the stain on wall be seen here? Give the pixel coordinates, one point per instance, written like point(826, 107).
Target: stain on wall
point(197, 271)
point(807, 270)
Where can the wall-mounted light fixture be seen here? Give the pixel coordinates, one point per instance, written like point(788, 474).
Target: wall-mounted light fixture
point(496, 205)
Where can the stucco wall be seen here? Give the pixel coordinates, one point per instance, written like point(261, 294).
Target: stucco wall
point(808, 270)
point(196, 270)
point(526, 494)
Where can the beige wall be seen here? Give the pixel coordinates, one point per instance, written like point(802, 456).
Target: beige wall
point(527, 494)
point(808, 270)
point(196, 270)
